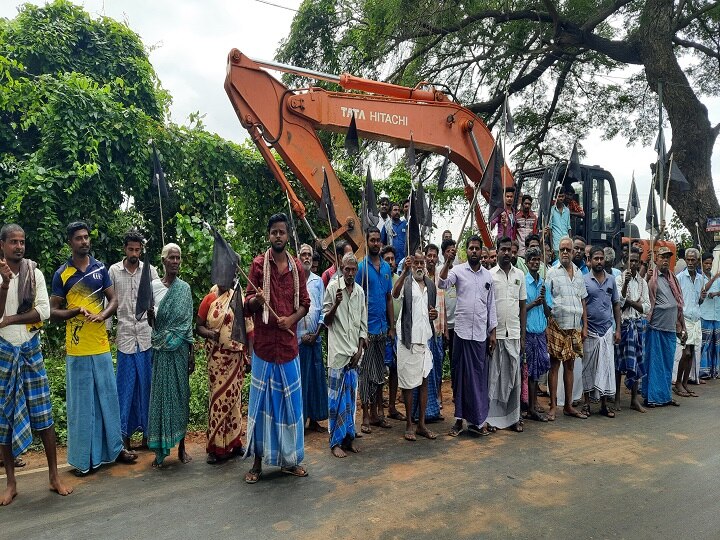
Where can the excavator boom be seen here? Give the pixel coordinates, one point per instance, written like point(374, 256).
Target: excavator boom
point(287, 121)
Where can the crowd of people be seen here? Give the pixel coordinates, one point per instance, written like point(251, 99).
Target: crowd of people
point(537, 312)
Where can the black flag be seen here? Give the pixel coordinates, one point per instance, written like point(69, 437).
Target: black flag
point(574, 165)
point(326, 209)
point(410, 155)
point(491, 182)
point(352, 143)
point(224, 263)
point(144, 295)
point(370, 214)
point(676, 175)
point(660, 147)
point(633, 206)
point(443, 173)
point(423, 211)
point(651, 222)
point(239, 331)
point(158, 173)
point(414, 223)
point(508, 122)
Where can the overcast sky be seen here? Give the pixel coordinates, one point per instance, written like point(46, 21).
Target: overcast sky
point(190, 41)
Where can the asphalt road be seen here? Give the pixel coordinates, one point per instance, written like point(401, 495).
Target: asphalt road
point(637, 476)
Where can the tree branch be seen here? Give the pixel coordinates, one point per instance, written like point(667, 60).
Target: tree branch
point(420, 51)
point(603, 14)
point(699, 46)
point(686, 21)
point(496, 14)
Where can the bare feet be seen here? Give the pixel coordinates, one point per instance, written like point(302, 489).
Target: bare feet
point(58, 487)
point(350, 447)
point(184, 457)
point(315, 426)
point(338, 452)
point(616, 405)
point(8, 495)
point(635, 405)
point(551, 414)
point(410, 435)
point(156, 465)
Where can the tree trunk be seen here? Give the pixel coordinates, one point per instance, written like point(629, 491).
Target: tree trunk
point(692, 134)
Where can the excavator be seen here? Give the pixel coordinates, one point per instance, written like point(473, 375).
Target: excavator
point(287, 121)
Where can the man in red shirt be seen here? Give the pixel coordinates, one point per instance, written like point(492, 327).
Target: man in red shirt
point(526, 222)
point(277, 298)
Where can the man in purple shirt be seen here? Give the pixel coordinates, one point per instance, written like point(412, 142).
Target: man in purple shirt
point(475, 322)
point(602, 304)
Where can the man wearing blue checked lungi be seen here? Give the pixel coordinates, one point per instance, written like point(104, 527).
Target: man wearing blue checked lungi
point(634, 305)
point(345, 315)
point(277, 297)
point(24, 391)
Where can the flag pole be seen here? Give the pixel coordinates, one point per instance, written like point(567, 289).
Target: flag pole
point(255, 288)
point(470, 210)
point(652, 212)
point(292, 224)
point(162, 220)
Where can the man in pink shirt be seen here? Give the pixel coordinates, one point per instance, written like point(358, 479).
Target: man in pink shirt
point(526, 222)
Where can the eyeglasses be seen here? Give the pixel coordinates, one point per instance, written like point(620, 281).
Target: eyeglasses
point(565, 250)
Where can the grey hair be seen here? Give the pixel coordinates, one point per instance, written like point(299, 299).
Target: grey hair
point(532, 252)
point(9, 229)
point(692, 250)
point(609, 255)
point(565, 238)
point(166, 250)
point(348, 258)
point(305, 247)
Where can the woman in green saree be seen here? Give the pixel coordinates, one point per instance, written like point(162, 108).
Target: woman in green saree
point(173, 360)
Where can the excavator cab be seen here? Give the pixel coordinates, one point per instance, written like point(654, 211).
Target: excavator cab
point(592, 199)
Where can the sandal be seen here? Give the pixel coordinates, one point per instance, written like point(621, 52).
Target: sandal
point(586, 410)
point(397, 415)
point(607, 412)
point(518, 427)
point(455, 431)
point(382, 423)
point(537, 416)
point(365, 428)
point(410, 436)
point(297, 470)
point(480, 432)
point(427, 434)
point(252, 476)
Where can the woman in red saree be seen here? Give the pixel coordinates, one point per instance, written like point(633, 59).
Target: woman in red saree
point(226, 362)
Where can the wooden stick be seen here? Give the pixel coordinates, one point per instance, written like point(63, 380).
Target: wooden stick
point(257, 290)
point(667, 187)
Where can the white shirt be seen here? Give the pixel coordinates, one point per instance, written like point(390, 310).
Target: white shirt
point(421, 329)
point(637, 291)
point(349, 324)
point(17, 334)
point(509, 290)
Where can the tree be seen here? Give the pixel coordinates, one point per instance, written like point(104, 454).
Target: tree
point(567, 65)
point(79, 101)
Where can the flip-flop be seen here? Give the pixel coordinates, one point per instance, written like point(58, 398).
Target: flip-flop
point(537, 416)
point(550, 417)
point(427, 434)
point(454, 431)
point(576, 414)
point(410, 436)
point(252, 476)
point(397, 416)
point(365, 428)
point(607, 412)
point(674, 403)
point(518, 427)
point(297, 470)
point(382, 424)
point(680, 393)
point(480, 432)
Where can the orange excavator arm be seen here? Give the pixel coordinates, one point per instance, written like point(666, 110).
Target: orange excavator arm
point(287, 120)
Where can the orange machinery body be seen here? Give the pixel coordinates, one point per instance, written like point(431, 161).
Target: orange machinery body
point(645, 243)
point(287, 121)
